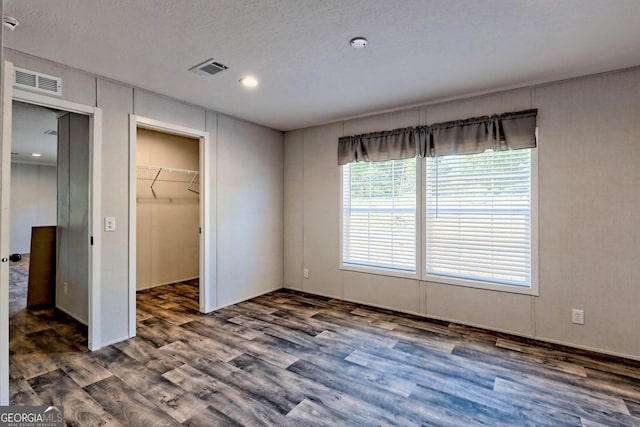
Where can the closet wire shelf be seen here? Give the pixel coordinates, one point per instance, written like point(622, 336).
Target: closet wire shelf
point(159, 173)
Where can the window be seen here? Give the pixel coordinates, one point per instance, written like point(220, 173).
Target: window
point(379, 215)
point(479, 217)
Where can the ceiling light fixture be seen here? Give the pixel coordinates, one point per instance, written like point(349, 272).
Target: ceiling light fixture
point(36, 154)
point(249, 81)
point(358, 42)
point(10, 22)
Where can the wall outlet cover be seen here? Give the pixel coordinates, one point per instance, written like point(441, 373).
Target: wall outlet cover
point(110, 223)
point(577, 316)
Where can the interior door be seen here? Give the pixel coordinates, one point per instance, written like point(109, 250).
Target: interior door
point(72, 282)
point(5, 197)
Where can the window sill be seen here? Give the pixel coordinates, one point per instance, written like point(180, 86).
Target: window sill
point(380, 271)
point(477, 284)
point(443, 280)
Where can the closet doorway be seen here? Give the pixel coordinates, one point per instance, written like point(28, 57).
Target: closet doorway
point(168, 219)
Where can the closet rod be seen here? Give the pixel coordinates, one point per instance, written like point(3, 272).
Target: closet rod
point(162, 168)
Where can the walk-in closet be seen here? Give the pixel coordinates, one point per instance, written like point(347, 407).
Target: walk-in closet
point(167, 210)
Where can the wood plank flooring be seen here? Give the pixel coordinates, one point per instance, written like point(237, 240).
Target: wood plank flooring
point(18, 277)
point(293, 359)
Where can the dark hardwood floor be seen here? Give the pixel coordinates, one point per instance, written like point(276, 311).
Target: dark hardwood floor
point(289, 358)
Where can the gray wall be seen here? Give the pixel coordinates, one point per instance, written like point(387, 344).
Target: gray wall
point(246, 190)
point(589, 199)
point(250, 204)
point(33, 202)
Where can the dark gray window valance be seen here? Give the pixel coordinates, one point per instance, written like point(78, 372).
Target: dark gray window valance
point(377, 146)
point(508, 131)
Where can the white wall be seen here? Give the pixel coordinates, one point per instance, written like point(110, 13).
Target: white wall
point(33, 202)
point(255, 172)
point(589, 232)
point(168, 216)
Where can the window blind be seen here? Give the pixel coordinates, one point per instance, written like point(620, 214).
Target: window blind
point(478, 216)
point(379, 214)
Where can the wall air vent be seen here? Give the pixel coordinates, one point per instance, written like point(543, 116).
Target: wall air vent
point(32, 80)
point(208, 68)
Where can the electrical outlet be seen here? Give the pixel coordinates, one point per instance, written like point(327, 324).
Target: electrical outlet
point(305, 273)
point(577, 316)
point(65, 288)
point(110, 223)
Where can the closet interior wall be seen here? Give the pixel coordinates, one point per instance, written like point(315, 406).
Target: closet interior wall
point(168, 208)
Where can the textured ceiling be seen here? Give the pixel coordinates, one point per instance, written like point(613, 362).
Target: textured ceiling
point(419, 50)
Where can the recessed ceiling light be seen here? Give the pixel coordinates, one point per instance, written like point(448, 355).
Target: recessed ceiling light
point(36, 154)
point(358, 42)
point(249, 81)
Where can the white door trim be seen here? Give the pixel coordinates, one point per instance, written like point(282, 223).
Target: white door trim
point(95, 196)
point(207, 283)
point(7, 88)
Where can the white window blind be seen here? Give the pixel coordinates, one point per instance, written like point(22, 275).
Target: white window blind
point(478, 216)
point(379, 214)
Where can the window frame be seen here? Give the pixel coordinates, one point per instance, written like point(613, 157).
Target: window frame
point(419, 227)
point(480, 284)
point(421, 240)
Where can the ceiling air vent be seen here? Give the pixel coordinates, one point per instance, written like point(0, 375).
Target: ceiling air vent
point(32, 80)
point(208, 68)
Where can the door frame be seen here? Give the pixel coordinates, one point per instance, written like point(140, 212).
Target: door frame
point(95, 197)
point(206, 281)
point(11, 94)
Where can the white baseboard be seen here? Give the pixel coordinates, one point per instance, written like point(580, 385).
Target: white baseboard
point(172, 282)
point(245, 299)
point(114, 341)
point(488, 328)
point(73, 316)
